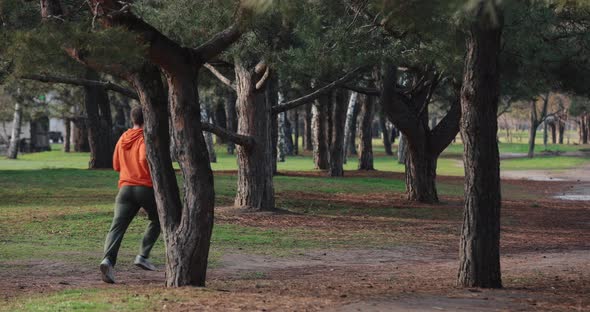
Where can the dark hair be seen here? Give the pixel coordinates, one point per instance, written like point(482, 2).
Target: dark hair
point(137, 116)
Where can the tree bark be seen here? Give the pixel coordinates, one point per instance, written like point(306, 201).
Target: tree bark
point(99, 124)
point(16, 129)
point(365, 149)
point(288, 135)
point(295, 115)
point(68, 134)
point(353, 130)
point(561, 130)
point(255, 173)
point(553, 126)
point(385, 136)
point(39, 128)
point(339, 107)
point(402, 149)
point(205, 117)
point(80, 135)
point(533, 130)
point(231, 119)
point(480, 234)
point(421, 173)
point(281, 144)
point(307, 133)
point(319, 124)
point(220, 120)
point(349, 124)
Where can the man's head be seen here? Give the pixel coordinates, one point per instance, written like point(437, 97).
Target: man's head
point(137, 116)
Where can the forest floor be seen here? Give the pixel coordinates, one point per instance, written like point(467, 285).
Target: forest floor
point(349, 244)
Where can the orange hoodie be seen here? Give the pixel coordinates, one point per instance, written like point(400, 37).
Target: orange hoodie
point(130, 160)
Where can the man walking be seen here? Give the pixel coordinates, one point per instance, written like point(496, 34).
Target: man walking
point(135, 191)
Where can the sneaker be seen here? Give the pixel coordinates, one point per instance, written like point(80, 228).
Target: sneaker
point(106, 268)
point(144, 263)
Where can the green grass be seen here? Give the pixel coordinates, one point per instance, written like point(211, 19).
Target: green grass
point(544, 163)
point(87, 300)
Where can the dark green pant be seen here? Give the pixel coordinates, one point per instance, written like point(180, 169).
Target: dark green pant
point(129, 200)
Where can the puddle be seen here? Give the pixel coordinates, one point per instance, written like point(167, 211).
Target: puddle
point(573, 197)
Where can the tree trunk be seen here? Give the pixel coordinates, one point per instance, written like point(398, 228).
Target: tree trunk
point(255, 173)
point(271, 97)
point(99, 124)
point(188, 230)
point(80, 136)
point(545, 134)
point(205, 117)
point(39, 128)
point(584, 129)
point(385, 136)
point(561, 131)
point(365, 149)
point(349, 124)
point(288, 135)
point(16, 129)
point(187, 224)
point(402, 149)
point(553, 126)
point(220, 120)
point(339, 107)
point(281, 144)
point(68, 134)
point(307, 133)
point(231, 119)
point(533, 130)
point(421, 174)
point(296, 131)
point(353, 130)
point(319, 125)
point(480, 235)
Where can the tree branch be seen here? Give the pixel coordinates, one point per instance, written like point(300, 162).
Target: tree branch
point(239, 139)
point(220, 76)
point(445, 132)
point(83, 82)
point(285, 106)
point(222, 40)
point(362, 90)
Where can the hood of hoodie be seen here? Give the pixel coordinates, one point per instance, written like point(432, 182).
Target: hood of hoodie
point(130, 137)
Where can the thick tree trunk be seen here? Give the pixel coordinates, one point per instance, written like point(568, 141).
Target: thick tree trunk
point(553, 126)
point(307, 132)
point(561, 131)
point(99, 124)
point(319, 125)
point(365, 149)
point(349, 124)
point(187, 224)
point(402, 149)
point(189, 228)
point(480, 234)
point(339, 107)
point(80, 136)
point(271, 97)
point(421, 174)
point(39, 128)
point(16, 129)
point(255, 173)
point(385, 136)
point(295, 132)
point(68, 134)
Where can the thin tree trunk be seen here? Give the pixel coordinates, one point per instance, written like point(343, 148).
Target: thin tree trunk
point(296, 131)
point(480, 235)
point(39, 129)
point(68, 134)
point(349, 124)
point(353, 130)
point(16, 129)
point(553, 126)
point(255, 172)
point(319, 124)
point(385, 135)
point(220, 119)
point(339, 107)
point(231, 119)
point(205, 117)
point(545, 134)
point(281, 144)
point(365, 149)
point(288, 130)
point(533, 130)
point(99, 124)
point(307, 132)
